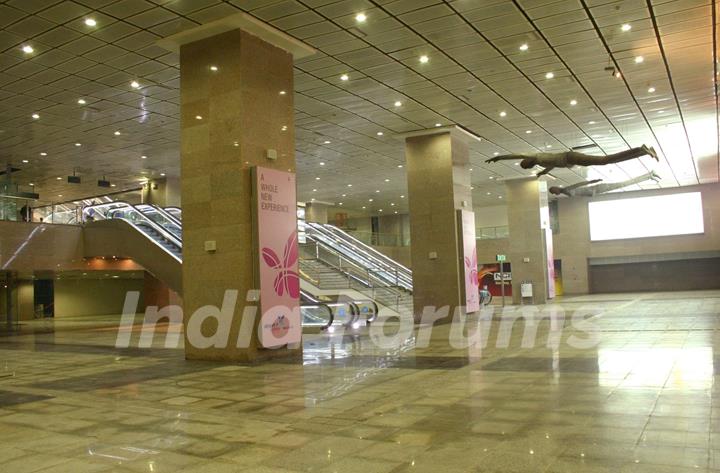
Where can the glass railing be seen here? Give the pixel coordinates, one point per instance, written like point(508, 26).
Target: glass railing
point(379, 239)
point(492, 233)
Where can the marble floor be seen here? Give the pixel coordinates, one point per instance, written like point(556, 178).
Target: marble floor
point(633, 387)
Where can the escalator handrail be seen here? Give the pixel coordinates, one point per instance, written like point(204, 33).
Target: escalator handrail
point(375, 254)
point(346, 247)
point(331, 316)
point(147, 209)
point(124, 205)
point(165, 214)
point(363, 270)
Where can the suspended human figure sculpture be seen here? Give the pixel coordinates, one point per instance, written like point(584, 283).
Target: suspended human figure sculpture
point(568, 159)
point(589, 190)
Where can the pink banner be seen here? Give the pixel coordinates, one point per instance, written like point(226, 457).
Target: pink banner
point(472, 297)
point(277, 249)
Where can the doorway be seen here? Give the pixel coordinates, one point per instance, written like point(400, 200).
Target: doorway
point(44, 297)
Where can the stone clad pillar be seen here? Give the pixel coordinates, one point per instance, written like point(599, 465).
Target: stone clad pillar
point(530, 244)
point(163, 192)
point(316, 212)
point(236, 106)
point(438, 176)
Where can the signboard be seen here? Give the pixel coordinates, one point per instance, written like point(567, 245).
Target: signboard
point(276, 246)
point(500, 258)
point(498, 277)
point(472, 298)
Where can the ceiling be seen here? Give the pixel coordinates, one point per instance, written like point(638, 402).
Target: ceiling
point(487, 70)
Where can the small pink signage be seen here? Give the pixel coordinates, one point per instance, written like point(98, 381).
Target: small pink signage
point(277, 248)
point(472, 296)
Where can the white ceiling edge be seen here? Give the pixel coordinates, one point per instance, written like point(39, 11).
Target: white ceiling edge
point(239, 21)
point(454, 130)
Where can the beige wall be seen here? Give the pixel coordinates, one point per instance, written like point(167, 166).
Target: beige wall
point(492, 216)
point(79, 297)
point(573, 245)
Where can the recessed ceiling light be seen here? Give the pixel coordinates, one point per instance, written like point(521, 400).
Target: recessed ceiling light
point(113, 185)
point(370, 200)
point(398, 104)
point(344, 195)
point(591, 122)
point(284, 128)
point(503, 114)
point(317, 178)
point(626, 27)
point(25, 161)
point(639, 59)
point(492, 177)
point(282, 92)
point(424, 59)
point(360, 17)
point(322, 163)
point(618, 75)
point(487, 193)
point(402, 196)
point(340, 203)
point(651, 90)
point(312, 200)
point(135, 84)
point(162, 174)
point(380, 210)
point(198, 117)
point(528, 131)
point(59, 195)
point(392, 204)
point(78, 144)
point(400, 165)
point(364, 207)
point(516, 164)
point(117, 133)
point(387, 180)
point(496, 153)
point(573, 102)
point(524, 47)
point(35, 116)
point(438, 125)
point(58, 178)
point(344, 77)
point(90, 22)
point(548, 146)
point(314, 190)
point(43, 154)
point(327, 142)
point(82, 101)
point(349, 185)
point(661, 111)
point(549, 75)
point(143, 157)
point(377, 191)
point(31, 184)
point(380, 133)
point(499, 197)
point(214, 68)
point(27, 49)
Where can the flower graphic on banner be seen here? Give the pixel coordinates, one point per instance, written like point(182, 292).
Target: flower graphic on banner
point(286, 280)
point(471, 269)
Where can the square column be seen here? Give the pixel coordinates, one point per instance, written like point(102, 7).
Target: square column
point(236, 112)
point(438, 175)
point(530, 245)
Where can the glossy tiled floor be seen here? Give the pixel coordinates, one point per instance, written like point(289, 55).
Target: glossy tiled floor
point(644, 398)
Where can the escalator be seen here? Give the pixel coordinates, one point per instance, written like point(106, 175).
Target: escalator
point(153, 237)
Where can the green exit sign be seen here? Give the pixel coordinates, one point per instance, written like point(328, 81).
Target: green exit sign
point(501, 258)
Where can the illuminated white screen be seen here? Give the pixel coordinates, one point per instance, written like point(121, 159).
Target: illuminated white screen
point(674, 214)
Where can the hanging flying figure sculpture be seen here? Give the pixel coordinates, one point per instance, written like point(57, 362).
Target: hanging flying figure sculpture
point(587, 188)
point(568, 159)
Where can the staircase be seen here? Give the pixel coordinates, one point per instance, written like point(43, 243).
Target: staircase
point(328, 277)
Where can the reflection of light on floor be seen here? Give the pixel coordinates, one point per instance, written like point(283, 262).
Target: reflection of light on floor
point(690, 368)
